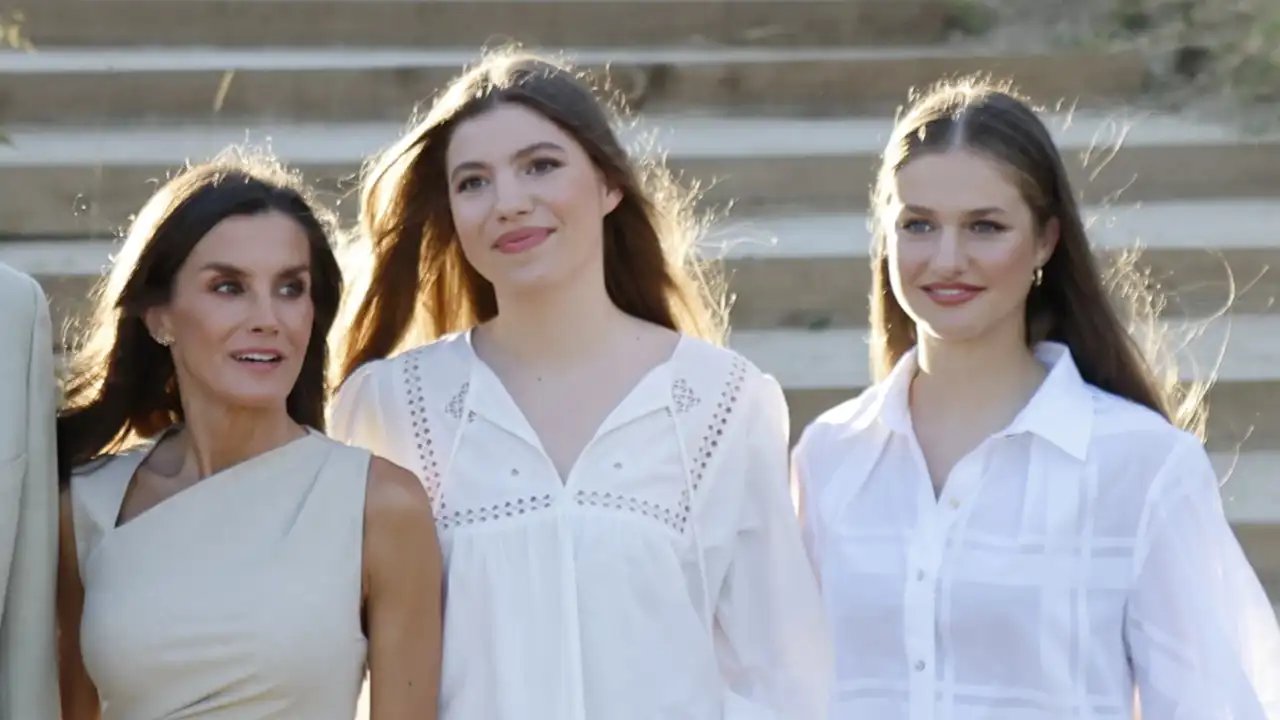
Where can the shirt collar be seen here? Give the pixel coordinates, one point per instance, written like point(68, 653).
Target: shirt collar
point(1060, 411)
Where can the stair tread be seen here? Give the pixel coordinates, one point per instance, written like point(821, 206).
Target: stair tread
point(684, 135)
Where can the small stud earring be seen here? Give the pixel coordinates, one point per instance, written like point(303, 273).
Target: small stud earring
point(1037, 277)
point(163, 340)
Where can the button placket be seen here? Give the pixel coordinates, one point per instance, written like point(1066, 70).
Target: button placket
point(920, 613)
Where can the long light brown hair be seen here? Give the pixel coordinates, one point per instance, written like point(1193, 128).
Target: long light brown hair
point(121, 384)
point(1098, 316)
point(418, 285)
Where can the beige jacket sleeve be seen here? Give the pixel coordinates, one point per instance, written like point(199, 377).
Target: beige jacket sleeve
point(28, 502)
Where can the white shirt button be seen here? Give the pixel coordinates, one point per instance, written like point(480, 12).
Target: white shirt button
point(920, 666)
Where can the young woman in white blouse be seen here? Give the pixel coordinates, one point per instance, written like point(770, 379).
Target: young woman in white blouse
point(1010, 525)
point(610, 486)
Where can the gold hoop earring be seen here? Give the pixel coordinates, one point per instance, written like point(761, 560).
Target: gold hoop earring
point(1037, 277)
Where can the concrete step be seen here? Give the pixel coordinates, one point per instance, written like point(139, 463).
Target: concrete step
point(820, 368)
point(1241, 353)
point(812, 270)
point(61, 86)
point(433, 23)
point(85, 182)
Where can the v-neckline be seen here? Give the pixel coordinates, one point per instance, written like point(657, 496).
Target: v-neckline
point(524, 429)
point(145, 452)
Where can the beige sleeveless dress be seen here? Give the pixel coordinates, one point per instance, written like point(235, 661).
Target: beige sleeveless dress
point(236, 599)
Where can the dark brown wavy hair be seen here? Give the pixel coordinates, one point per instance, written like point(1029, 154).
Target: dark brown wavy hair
point(1096, 314)
point(420, 286)
point(121, 385)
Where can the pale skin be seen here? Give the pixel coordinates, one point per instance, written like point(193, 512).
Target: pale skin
point(246, 286)
point(958, 217)
point(564, 352)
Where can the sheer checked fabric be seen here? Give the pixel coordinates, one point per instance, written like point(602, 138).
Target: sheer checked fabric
point(665, 577)
point(1078, 555)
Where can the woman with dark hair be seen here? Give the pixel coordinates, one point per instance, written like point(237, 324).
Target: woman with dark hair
point(221, 557)
point(609, 485)
point(1018, 519)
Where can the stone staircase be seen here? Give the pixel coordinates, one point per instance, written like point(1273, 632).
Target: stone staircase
point(784, 104)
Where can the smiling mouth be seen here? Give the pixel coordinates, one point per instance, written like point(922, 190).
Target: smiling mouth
point(258, 358)
point(521, 241)
point(951, 295)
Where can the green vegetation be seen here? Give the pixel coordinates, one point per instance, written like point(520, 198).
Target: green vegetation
point(12, 37)
point(11, 31)
point(1227, 49)
point(1217, 55)
point(971, 17)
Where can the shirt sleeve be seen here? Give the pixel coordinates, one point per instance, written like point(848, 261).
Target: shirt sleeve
point(1202, 636)
point(772, 639)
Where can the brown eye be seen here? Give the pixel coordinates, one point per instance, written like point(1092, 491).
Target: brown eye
point(543, 166)
point(470, 183)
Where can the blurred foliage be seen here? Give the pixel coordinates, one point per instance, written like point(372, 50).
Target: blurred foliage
point(1221, 54)
point(12, 37)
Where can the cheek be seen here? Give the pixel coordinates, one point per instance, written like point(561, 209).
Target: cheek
point(299, 317)
point(203, 321)
point(469, 213)
point(1005, 262)
point(908, 259)
point(202, 330)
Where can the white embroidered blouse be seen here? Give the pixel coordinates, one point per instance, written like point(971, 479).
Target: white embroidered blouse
point(1073, 558)
point(664, 578)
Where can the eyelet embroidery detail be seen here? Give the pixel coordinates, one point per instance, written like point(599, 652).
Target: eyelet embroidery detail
point(729, 397)
point(674, 519)
point(676, 516)
point(458, 401)
point(418, 418)
point(497, 511)
point(683, 396)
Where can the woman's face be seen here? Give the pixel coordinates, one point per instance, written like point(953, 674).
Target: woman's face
point(527, 201)
point(963, 247)
point(240, 316)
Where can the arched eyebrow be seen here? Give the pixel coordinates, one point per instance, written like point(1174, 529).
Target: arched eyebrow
point(976, 212)
point(524, 152)
point(230, 270)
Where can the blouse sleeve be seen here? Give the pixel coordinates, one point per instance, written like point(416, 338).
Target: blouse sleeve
point(1202, 636)
point(772, 639)
point(356, 415)
point(802, 492)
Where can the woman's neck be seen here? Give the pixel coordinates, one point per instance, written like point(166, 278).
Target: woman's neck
point(988, 378)
point(218, 437)
point(569, 322)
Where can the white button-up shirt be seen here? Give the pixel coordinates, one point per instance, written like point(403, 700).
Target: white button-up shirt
point(664, 578)
point(1076, 556)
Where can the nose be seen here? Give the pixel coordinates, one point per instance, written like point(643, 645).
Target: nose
point(511, 196)
point(265, 317)
point(948, 256)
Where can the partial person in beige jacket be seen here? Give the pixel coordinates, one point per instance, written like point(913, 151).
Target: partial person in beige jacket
point(28, 502)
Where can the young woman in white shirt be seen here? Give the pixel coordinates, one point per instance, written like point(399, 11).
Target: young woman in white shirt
point(610, 485)
point(1010, 523)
